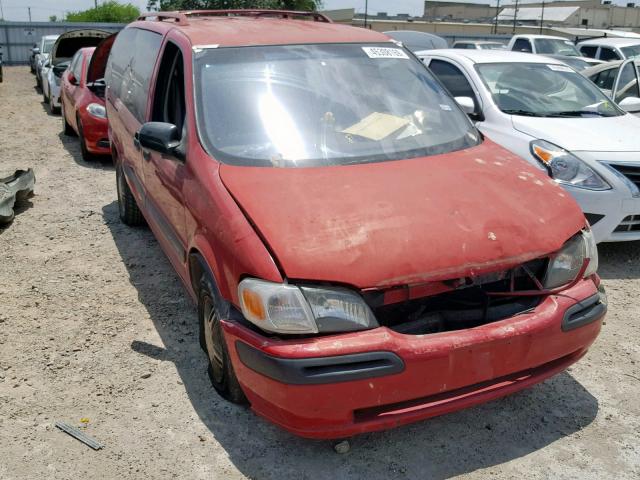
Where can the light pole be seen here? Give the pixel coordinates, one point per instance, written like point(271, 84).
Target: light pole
point(495, 27)
point(366, 8)
point(515, 16)
point(542, 17)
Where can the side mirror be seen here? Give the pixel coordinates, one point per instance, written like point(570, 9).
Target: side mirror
point(72, 78)
point(467, 104)
point(35, 50)
point(630, 104)
point(161, 137)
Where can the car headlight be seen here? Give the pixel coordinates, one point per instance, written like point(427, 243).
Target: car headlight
point(565, 167)
point(282, 308)
point(566, 264)
point(97, 110)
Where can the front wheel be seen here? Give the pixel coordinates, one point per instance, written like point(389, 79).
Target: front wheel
point(66, 127)
point(87, 156)
point(212, 340)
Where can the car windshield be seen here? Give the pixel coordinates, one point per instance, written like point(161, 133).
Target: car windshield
point(331, 104)
point(493, 46)
point(556, 46)
point(544, 90)
point(632, 51)
point(48, 45)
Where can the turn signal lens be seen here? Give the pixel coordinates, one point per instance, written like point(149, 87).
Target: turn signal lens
point(253, 304)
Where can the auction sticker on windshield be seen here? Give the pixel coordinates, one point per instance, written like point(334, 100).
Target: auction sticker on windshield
point(560, 68)
point(382, 52)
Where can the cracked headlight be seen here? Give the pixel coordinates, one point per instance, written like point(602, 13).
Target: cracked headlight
point(566, 264)
point(284, 308)
point(564, 167)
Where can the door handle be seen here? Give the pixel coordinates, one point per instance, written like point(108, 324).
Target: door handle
point(136, 141)
point(146, 155)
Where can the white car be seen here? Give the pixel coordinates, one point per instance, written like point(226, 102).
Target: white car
point(547, 113)
point(62, 52)
point(618, 80)
point(610, 48)
point(479, 45)
point(46, 44)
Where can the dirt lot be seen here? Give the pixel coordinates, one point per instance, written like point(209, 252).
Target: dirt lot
point(95, 324)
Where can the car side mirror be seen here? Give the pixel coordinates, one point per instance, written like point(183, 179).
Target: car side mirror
point(161, 137)
point(72, 78)
point(630, 104)
point(467, 104)
point(35, 51)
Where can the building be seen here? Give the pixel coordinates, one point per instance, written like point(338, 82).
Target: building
point(451, 11)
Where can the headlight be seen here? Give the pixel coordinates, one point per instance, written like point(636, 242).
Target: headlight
point(565, 266)
point(282, 308)
point(565, 167)
point(97, 110)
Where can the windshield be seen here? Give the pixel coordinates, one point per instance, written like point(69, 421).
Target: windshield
point(544, 90)
point(632, 51)
point(47, 45)
point(310, 105)
point(493, 46)
point(556, 46)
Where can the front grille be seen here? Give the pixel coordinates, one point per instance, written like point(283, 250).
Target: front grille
point(632, 172)
point(631, 223)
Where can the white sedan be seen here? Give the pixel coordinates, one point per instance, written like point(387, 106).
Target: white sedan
point(550, 115)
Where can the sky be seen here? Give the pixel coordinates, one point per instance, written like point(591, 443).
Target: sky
point(41, 9)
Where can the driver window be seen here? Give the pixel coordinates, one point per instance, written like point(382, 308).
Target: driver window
point(608, 54)
point(169, 100)
point(627, 84)
point(522, 45)
point(605, 79)
point(454, 80)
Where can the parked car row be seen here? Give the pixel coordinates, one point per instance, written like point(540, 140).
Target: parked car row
point(369, 241)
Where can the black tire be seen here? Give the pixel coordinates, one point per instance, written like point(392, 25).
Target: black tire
point(45, 100)
point(67, 129)
point(87, 156)
point(130, 214)
point(221, 373)
point(53, 110)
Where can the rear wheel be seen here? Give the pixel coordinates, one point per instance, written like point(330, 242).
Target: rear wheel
point(87, 156)
point(66, 127)
point(212, 340)
point(52, 108)
point(130, 214)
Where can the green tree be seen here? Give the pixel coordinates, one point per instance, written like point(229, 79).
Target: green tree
point(53, 18)
point(308, 5)
point(110, 11)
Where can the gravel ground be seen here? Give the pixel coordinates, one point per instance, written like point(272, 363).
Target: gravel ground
point(94, 323)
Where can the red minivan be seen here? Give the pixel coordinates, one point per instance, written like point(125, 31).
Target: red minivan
point(360, 255)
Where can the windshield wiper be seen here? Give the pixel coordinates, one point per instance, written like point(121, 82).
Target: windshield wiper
point(576, 113)
point(524, 113)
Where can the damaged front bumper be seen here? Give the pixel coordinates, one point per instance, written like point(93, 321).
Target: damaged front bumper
point(15, 189)
point(336, 386)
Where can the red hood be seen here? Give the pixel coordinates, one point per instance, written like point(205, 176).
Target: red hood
point(406, 222)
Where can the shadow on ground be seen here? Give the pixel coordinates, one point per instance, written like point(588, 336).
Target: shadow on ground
point(443, 447)
point(619, 260)
point(72, 145)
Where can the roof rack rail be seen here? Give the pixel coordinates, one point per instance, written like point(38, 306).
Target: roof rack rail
point(179, 17)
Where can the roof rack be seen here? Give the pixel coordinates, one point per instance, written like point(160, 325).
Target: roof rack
point(181, 17)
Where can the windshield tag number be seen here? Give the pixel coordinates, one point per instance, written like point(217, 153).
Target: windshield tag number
point(560, 68)
point(382, 52)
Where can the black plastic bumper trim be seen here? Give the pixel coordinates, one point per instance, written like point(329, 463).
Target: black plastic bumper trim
point(320, 370)
point(584, 312)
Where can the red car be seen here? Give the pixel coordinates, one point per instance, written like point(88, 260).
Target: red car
point(361, 256)
point(82, 103)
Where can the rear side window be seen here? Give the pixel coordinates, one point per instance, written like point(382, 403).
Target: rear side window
point(589, 51)
point(628, 83)
point(608, 54)
point(605, 79)
point(522, 45)
point(131, 63)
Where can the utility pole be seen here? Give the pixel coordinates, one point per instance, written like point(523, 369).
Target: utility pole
point(515, 16)
point(29, 10)
point(2, 13)
point(495, 26)
point(366, 8)
point(95, 2)
point(542, 17)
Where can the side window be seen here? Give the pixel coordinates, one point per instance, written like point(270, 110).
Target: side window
point(522, 45)
point(589, 51)
point(627, 83)
point(169, 101)
point(605, 79)
point(608, 54)
point(76, 65)
point(453, 79)
point(119, 61)
point(147, 46)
